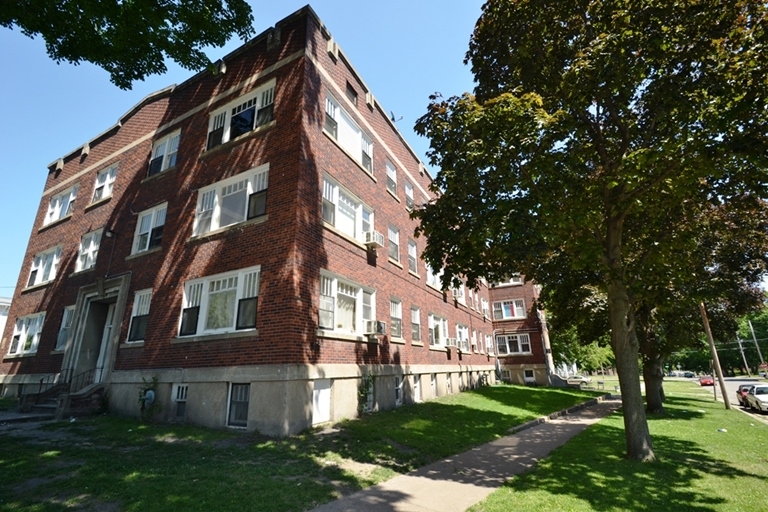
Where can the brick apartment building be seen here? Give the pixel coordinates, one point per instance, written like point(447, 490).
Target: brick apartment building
point(243, 239)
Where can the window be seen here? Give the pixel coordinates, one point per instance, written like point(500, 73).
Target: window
point(458, 293)
point(164, 153)
point(242, 115)
point(433, 384)
point(89, 249)
point(394, 243)
point(513, 344)
point(61, 205)
point(415, 324)
point(489, 343)
point(449, 383)
point(26, 334)
point(345, 212)
point(344, 306)
point(139, 315)
point(417, 388)
point(66, 326)
point(514, 280)
point(509, 309)
point(179, 394)
point(474, 340)
point(433, 279)
point(398, 390)
point(104, 181)
point(484, 304)
point(438, 328)
point(462, 337)
point(149, 229)
point(529, 377)
point(396, 318)
point(340, 126)
point(238, 405)
point(232, 201)
point(351, 94)
point(408, 195)
point(44, 266)
point(391, 177)
point(221, 303)
point(412, 257)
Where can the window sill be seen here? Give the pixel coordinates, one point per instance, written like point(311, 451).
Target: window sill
point(414, 274)
point(439, 348)
point(332, 228)
point(55, 223)
point(354, 160)
point(237, 140)
point(84, 271)
point(37, 286)
point(393, 195)
point(57, 351)
point(20, 356)
point(395, 263)
point(210, 234)
point(132, 344)
point(159, 175)
point(398, 341)
point(143, 253)
point(417, 344)
point(516, 354)
point(98, 203)
point(342, 336)
point(249, 333)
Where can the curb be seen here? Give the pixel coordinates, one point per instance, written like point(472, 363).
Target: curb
point(558, 414)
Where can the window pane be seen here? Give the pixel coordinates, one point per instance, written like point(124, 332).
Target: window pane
point(233, 202)
point(346, 312)
point(257, 205)
point(221, 310)
point(189, 321)
point(242, 122)
point(238, 407)
point(138, 328)
point(246, 313)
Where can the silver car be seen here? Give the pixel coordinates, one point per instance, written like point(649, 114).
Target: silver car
point(757, 398)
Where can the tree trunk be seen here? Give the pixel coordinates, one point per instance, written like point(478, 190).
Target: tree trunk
point(653, 376)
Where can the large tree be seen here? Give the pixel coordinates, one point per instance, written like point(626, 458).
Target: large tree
point(132, 38)
point(593, 125)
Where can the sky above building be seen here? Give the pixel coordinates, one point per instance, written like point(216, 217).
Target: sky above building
point(404, 51)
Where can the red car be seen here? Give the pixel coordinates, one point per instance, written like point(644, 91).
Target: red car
point(707, 380)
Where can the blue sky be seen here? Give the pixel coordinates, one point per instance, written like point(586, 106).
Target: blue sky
point(404, 51)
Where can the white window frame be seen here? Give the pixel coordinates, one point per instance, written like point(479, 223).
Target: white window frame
point(26, 334)
point(462, 337)
point(484, 305)
point(67, 319)
point(415, 324)
point(489, 344)
point(509, 309)
point(391, 177)
point(505, 343)
point(413, 257)
point(261, 100)
point(473, 339)
point(164, 153)
point(458, 294)
point(396, 318)
point(339, 203)
point(197, 294)
point(210, 200)
point(434, 279)
point(142, 302)
point(398, 390)
point(409, 202)
point(515, 280)
point(239, 399)
point(149, 228)
point(333, 285)
point(61, 205)
point(342, 128)
point(393, 234)
point(45, 262)
point(88, 251)
point(441, 323)
point(105, 182)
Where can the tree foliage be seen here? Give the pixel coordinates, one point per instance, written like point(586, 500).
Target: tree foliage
point(599, 134)
point(130, 39)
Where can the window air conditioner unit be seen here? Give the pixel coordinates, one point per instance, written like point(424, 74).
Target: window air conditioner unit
point(374, 239)
point(373, 327)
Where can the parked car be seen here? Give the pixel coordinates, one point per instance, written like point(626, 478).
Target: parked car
point(757, 398)
point(707, 380)
point(578, 380)
point(689, 375)
point(741, 394)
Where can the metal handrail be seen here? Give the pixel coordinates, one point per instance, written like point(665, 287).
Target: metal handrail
point(81, 380)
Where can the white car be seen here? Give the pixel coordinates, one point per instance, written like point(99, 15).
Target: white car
point(757, 398)
point(578, 380)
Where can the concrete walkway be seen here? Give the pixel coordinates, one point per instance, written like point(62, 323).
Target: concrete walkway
point(457, 483)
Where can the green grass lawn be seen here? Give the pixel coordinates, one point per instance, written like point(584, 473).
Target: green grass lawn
point(709, 459)
point(116, 464)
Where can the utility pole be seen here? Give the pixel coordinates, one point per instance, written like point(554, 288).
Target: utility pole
point(762, 361)
point(741, 348)
point(715, 359)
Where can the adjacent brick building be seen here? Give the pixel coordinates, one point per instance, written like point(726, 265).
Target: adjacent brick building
point(242, 244)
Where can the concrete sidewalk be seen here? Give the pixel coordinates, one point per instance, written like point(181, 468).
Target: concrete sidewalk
point(457, 483)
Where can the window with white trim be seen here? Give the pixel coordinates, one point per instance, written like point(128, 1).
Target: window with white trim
point(61, 205)
point(458, 293)
point(462, 337)
point(515, 280)
point(433, 278)
point(26, 334)
point(164, 153)
point(416, 388)
point(513, 308)
point(221, 303)
point(239, 399)
point(105, 180)
point(231, 201)
point(391, 177)
point(513, 344)
point(415, 324)
point(408, 195)
point(66, 326)
point(484, 305)
point(89, 250)
point(149, 228)
point(412, 256)
point(398, 390)
point(344, 211)
point(489, 343)
point(139, 315)
point(345, 306)
point(396, 318)
point(44, 266)
point(394, 243)
point(474, 340)
point(242, 115)
point(340, 125)
point(438, 330)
